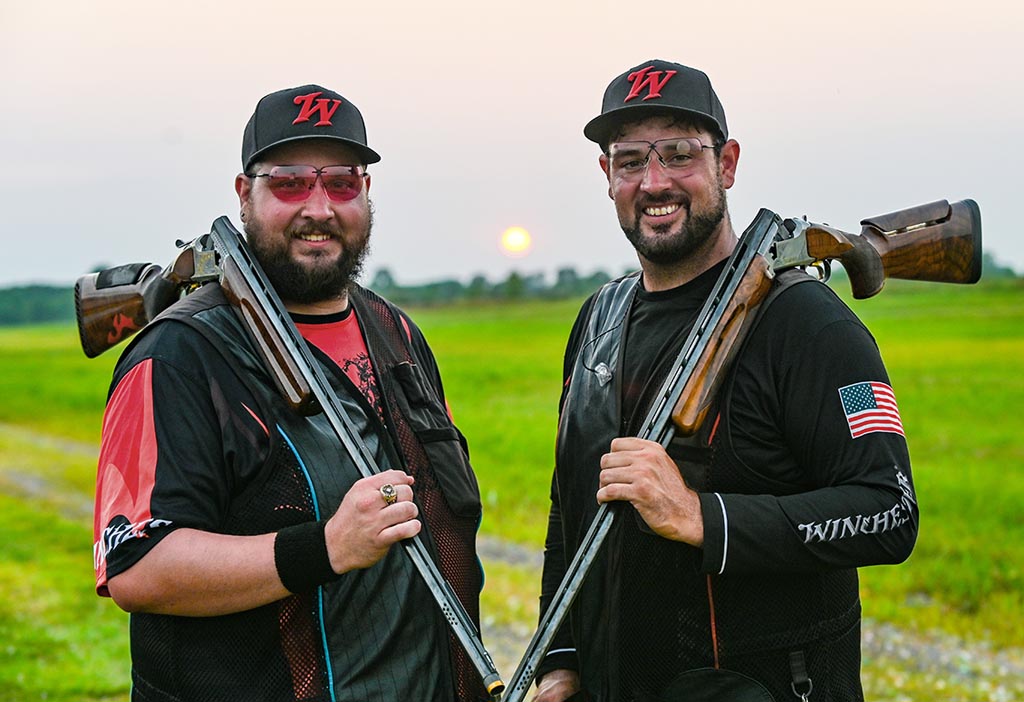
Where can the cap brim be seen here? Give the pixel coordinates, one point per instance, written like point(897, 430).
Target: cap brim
point(365, 153)
point(600, 129)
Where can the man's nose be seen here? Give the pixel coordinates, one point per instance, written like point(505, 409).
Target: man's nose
point(655, 175)
point(318, 205)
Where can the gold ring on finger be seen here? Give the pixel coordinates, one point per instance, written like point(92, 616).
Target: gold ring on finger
point(388, 492)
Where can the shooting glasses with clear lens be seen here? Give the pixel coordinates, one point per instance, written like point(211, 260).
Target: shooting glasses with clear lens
point(629, 159)
point(296, 183)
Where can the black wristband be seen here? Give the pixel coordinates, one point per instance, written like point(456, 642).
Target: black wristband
point(300, 554)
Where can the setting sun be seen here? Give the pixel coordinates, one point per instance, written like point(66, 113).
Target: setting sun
point(515, 241)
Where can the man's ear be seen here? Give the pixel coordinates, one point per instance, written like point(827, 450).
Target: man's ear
point(727, 162)
point(243, 186)
point(367, 183)
point(604, 167)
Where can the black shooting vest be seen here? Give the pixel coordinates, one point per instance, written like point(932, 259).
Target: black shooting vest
point(648, 611)
point(369, 620)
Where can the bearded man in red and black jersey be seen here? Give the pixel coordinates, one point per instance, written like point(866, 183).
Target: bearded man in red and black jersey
point(256, 563)
point(730, 573)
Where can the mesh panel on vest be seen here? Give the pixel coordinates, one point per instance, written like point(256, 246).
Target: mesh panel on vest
point(453, 535)
point(833, 665)
point(668, 630)
point(272, 652)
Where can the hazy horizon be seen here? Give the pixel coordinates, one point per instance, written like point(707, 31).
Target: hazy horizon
point(124, 121)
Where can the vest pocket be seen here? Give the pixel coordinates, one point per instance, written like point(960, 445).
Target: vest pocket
point(452, 469)
point(441, 441)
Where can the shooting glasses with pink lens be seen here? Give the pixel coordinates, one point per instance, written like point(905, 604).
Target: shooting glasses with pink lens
point(296, 183)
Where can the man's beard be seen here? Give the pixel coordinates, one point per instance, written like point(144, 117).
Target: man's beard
point(668, 247)
point(304, 283)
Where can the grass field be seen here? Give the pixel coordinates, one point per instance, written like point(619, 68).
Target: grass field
point(954, 354)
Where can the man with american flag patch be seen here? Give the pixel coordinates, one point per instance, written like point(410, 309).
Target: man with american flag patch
point(730, 572)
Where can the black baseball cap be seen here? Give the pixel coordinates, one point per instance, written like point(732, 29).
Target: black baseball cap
point(656, 87)
point(306, 112)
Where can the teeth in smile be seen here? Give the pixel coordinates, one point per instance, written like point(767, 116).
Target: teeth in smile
point(314, 237)
point(660, 211)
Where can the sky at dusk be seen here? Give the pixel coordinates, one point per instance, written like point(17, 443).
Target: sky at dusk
point(121, 122)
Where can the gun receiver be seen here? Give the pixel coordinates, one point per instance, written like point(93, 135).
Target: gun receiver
point(937, 242)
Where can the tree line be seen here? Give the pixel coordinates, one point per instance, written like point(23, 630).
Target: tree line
point(40, 304)
point(566, 283)
point(36, 304)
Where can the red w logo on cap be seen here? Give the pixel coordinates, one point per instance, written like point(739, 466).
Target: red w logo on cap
point(310, 104)
point(642, 78)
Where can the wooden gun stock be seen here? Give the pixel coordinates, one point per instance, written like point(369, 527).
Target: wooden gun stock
point(937, 242)
point(113, 304)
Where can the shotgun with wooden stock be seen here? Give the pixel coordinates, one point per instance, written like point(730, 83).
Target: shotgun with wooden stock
point(113, 304)
point(933, 242)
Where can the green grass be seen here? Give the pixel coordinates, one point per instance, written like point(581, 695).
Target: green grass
point(502, 371)
point(954, 354)
point(60, 641)
point(47, 384)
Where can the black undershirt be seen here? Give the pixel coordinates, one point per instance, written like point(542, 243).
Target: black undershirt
point(659, 323)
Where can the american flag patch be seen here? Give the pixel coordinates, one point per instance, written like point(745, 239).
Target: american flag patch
point(869, 407)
